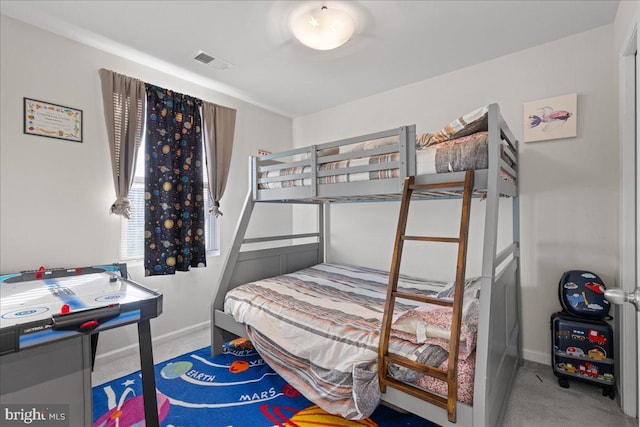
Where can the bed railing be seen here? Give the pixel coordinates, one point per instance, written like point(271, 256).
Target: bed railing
point(308, 180)
point(333, 172)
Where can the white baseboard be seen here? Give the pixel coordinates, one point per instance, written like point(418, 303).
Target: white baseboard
point(537, 356)
point(132, 350)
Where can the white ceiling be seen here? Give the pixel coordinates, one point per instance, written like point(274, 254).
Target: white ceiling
point(396, 42)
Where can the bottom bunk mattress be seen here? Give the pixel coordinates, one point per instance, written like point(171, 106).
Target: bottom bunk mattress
point(319, 328)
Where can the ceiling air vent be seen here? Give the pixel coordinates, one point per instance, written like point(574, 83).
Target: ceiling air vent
point(217, 63)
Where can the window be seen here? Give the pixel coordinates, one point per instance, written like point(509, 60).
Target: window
point(132, 230)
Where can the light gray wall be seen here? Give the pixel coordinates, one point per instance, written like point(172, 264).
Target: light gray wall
point(55, 195)
point(626, 14)
point(569, 188)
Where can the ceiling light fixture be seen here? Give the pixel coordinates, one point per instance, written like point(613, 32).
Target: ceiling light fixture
point(324, 28)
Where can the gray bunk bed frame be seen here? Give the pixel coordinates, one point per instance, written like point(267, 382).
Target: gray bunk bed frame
point(499, 341)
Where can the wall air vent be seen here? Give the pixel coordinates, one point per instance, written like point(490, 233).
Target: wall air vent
point(217, 63)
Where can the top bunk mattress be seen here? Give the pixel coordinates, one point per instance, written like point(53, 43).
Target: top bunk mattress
point(319, 328)
point(465, 153)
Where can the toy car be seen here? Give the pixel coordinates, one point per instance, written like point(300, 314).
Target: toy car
point(596, 353)
point(567, 367)
point(596, 337)
point(575, 351)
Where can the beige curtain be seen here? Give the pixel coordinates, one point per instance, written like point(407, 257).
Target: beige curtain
point(219, 128)
point(123, 99)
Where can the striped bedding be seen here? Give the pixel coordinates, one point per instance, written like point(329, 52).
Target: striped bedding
point(332, 179)
point(319, 329)
point(469, 152)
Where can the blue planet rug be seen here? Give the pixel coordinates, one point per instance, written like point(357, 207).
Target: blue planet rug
point(234, 389)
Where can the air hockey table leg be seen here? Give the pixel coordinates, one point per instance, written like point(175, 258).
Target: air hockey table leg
point(148, 375)
point(94, 348)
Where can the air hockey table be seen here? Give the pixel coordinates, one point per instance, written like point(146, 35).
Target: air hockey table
point(47, 320)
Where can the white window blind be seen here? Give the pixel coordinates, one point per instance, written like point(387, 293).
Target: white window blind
point(132, 230)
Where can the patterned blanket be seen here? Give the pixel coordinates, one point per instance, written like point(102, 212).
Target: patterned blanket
point(319, 328)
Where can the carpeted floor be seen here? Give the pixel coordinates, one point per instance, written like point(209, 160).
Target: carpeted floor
point(235, 389)
point(536, 399)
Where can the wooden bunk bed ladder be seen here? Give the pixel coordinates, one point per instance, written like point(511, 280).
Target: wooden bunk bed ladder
point(450, 376)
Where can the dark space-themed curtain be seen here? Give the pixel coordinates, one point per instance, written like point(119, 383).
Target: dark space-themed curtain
point(174, 206)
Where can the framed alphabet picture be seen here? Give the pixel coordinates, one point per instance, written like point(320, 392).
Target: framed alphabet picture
point(52, 120)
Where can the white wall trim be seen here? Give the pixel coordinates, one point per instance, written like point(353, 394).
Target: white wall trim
point(626, 316)
point(537, 356)
point(132, 350)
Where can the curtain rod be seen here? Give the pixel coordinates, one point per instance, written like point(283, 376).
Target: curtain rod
point(176, 92)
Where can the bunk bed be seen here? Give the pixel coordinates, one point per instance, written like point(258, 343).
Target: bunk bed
point(396, 164)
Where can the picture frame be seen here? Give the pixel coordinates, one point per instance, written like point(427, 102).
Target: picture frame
point(551, 118)
point(50, 120)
